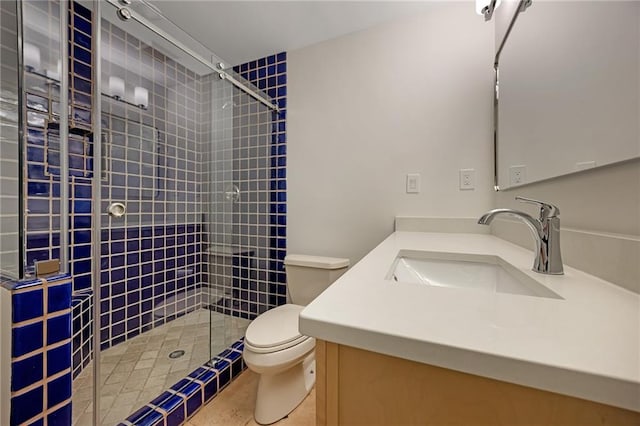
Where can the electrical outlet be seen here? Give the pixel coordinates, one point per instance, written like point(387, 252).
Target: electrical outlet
point(517, 175)
point(467, 179)
point(413, 183)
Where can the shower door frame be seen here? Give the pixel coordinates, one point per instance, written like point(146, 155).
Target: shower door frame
point(98, 149)
point(96, 214)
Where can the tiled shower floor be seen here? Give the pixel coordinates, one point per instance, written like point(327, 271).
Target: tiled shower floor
point(136, 371)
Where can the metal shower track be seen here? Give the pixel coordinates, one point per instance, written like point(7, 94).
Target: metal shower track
point(125, 13)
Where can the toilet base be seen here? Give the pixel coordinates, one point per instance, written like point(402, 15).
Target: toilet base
point(279, 394)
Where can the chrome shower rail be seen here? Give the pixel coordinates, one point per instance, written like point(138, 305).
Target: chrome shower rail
point(125, 13)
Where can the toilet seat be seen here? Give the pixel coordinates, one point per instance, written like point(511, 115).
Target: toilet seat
point(275, 330)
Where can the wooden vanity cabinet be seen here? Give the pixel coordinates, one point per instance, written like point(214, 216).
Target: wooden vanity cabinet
point(358, 387)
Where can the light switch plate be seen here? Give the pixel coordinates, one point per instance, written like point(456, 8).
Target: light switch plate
point(413, 183)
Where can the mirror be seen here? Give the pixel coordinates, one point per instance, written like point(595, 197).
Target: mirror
point(569, 89)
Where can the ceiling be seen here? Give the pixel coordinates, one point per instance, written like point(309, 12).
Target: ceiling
point(240, 31)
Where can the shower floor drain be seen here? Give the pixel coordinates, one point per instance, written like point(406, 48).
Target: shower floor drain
point(176, 354)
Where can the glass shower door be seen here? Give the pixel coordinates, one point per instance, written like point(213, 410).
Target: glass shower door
point(153, 327)
point(240, 230)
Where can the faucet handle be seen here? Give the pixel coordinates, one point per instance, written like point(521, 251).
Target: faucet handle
point(546, 210)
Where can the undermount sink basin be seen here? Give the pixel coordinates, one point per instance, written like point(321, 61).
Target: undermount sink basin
point(469, 271)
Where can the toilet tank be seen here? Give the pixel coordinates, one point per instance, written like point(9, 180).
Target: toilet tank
point(308, 276)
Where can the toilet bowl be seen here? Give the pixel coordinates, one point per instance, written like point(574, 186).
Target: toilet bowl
point(275, 349)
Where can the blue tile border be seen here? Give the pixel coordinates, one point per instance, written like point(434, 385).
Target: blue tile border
point(41, 350)
point(31, 282)
point(184, 399)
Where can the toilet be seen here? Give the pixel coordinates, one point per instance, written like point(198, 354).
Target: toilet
point(275, 349)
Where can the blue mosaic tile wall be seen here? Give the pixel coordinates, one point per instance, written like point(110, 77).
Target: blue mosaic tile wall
point(153, 263)
point(42, 151)
point(151, 260)
point(42, 148)
point(259, 217)
point(150, 275)
point(81, 342)
point(40, 351)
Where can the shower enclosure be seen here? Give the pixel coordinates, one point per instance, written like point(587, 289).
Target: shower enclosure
point(162, 194)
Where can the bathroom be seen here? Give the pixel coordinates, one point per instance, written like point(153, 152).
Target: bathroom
point(226, 148)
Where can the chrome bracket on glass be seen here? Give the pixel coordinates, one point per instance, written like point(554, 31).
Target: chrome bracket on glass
point(232, 193)
point(124, 14)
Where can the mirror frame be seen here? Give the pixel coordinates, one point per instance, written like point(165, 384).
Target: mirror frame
point(522, 6)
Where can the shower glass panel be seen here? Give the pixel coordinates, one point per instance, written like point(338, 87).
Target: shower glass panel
point(57, 170)
point(240, 230)
point(184, 201)
point(153, 329)
point(163, 187)
point(10, 185)
point(41, 129)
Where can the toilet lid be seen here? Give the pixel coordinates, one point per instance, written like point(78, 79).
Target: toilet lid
point(275, 328)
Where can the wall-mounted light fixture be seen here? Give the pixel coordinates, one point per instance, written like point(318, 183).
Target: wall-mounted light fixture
point(31, 57)
point(141, 97)
point(55, 74)
point(486, 8)
point(118, 91)
point(116, 88)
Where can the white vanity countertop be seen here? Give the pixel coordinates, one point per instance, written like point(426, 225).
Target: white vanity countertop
point(587, 345)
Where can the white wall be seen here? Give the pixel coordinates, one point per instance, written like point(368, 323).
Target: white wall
point(599, 215)
point(411, 96)
point(569, 93)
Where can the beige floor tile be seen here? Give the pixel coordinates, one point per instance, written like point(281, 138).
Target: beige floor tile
point(147, 363)
point(160, 370)
point(138, 346)
point(130, 356)
point(150, 393)
point(80, 406)
point(125, 398)
point(117, 378)
point(234, 407)
point(133, 385)
point(141, 374)
point(155, 381)
point(178, 366)
point(135, 372)
point(111, 358)
point(83, 419)
point(155, 345)
point(105, 368)
point(85, 394)
point(116, 415)
point(118, 349)
point(112, 389)
point(124, 367)
point(149, 355)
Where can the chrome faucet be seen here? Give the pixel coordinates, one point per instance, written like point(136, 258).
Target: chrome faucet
point(546, 233)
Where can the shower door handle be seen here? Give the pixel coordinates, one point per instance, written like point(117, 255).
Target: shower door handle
point(116, 210)
point(232, 193)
